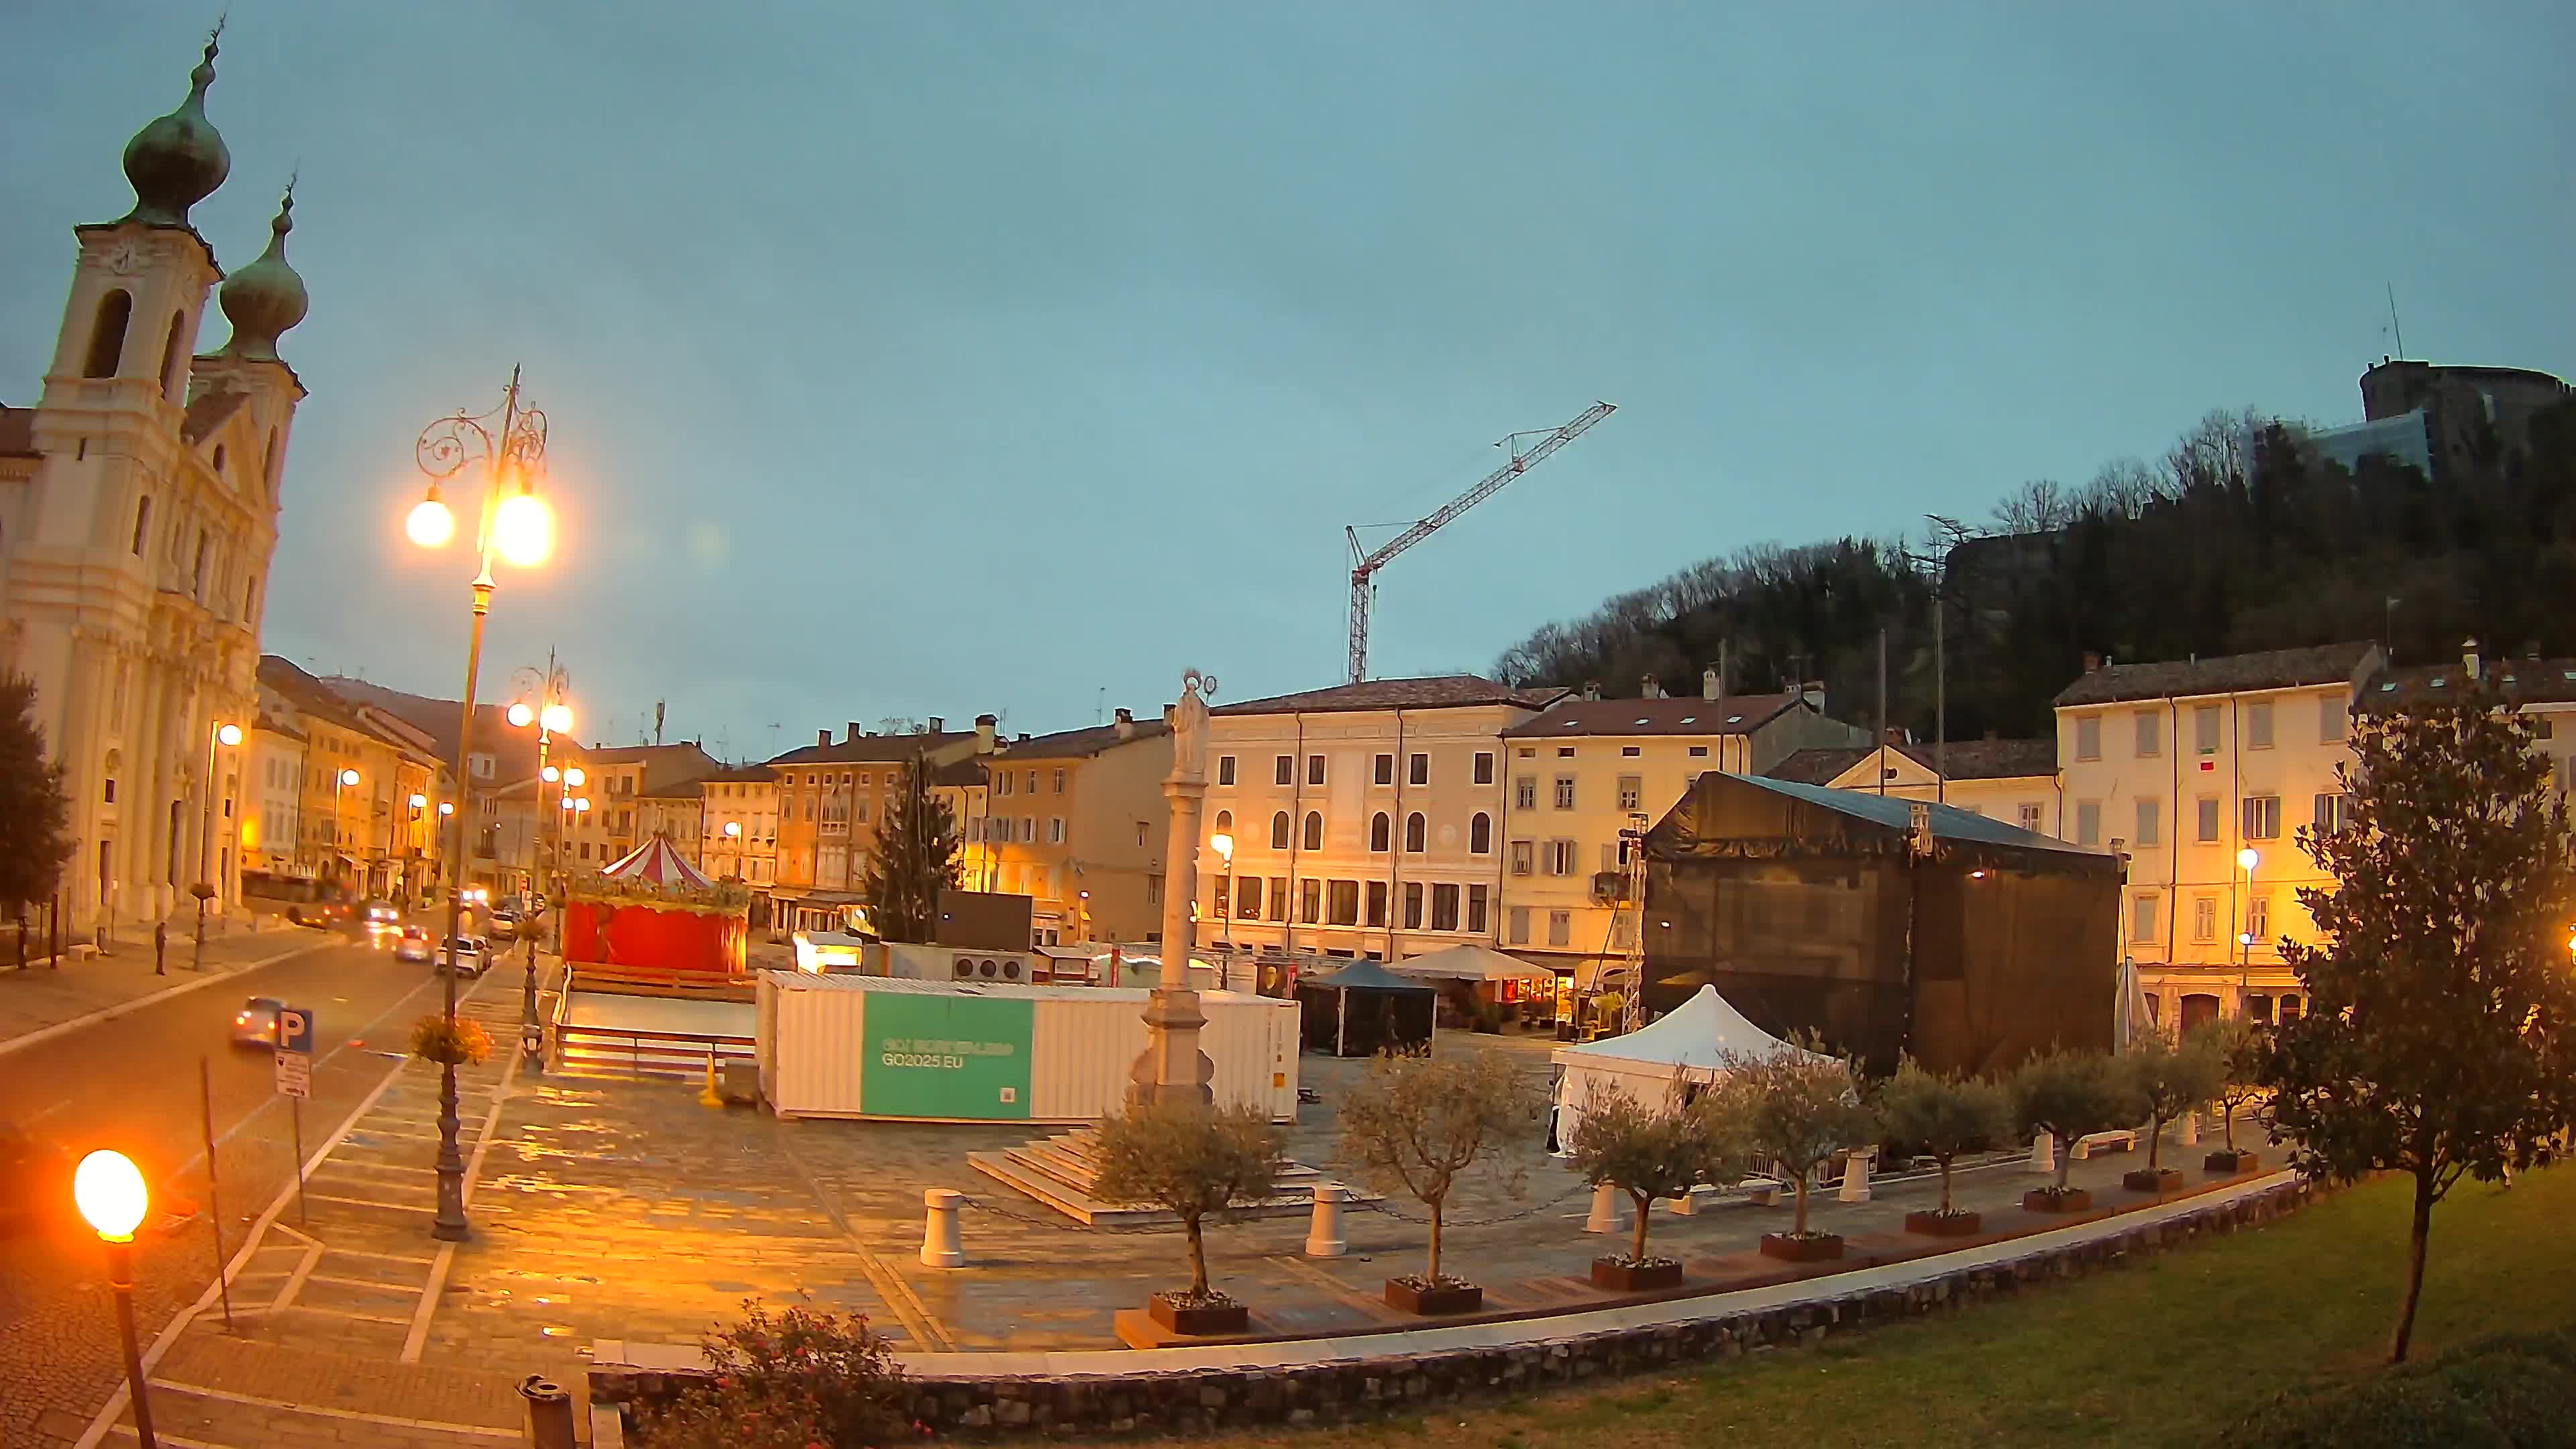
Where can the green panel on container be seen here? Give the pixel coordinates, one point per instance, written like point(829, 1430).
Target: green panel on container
point(947, 1056)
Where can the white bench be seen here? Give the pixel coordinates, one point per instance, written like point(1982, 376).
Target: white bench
point(1761, 1191)
point(2123, 1139)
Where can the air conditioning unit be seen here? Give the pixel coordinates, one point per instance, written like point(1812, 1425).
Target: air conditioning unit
point(959, 964)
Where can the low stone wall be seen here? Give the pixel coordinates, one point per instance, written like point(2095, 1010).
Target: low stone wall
point(1205, 1400)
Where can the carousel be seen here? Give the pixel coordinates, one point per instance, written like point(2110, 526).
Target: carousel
point(652, 920)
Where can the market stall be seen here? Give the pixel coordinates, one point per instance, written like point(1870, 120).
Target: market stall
point(1480, 986)
point(1661, 1065)
point(1364, 1009)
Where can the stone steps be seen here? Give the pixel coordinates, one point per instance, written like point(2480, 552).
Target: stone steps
point(1060, 1171)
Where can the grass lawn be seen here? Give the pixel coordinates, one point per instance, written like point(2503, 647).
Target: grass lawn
point(2170, 1350)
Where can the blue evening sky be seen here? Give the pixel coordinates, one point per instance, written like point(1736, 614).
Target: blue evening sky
point(932, 359)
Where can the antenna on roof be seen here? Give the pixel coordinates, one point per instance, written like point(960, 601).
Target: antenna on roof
point(2393, 325)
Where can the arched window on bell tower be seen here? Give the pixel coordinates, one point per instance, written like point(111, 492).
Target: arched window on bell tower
point(174, 379)
point(107, 334)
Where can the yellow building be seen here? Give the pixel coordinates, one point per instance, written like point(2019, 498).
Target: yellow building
point(1583, 771)
point(831, 797)
point(2202, 771)
point(739, 827)
point(367, 789)
point(2014, 781)
point(1367, 819)
point(1076, 821)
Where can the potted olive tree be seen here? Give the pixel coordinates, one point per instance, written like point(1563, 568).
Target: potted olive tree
point(1797, 1108)
point(1191, 1160)
point(1942, 1117)
point(2240, 1047)
point(2168, 1079)
point(1413, 1124)
point(1647, 1154)
point(2070, 1096)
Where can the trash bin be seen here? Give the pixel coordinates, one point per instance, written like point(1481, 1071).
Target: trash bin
point(549, 1413)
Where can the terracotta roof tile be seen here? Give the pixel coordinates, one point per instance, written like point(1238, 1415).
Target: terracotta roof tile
point(1737, 714)
point(1080, 744)
point(2219, 674)
point(2523, 681)
point(870, 749)
point(1818, 765)
point(1444, 691)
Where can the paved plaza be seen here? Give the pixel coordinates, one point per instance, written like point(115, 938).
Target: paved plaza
point(609, 1208)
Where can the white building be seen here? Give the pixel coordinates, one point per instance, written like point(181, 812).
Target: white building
point(138, 514)
point(1578, 772)
point(1367, 819)
point(2193, 768)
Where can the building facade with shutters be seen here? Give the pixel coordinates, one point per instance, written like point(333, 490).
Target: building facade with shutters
point(2187, 766)
point(1579, 774)
point(1367, 819)
point(1076, 821)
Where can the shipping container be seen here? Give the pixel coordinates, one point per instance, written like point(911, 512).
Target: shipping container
point(869, 1046)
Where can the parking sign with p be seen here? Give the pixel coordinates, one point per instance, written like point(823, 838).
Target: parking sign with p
point(294, 1052)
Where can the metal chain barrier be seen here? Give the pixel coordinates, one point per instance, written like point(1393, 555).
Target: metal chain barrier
point(1582, 1189)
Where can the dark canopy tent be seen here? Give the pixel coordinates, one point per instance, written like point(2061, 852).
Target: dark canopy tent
point(1883, 924)
point(1364, 1009)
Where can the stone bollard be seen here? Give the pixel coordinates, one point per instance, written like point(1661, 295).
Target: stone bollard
point(2043, 1154)
point(1324, 1230)
point(939, 1246)
point(1605, 1210)
point(1855, 1177)
point(2191, 1129)
point(549, 1413)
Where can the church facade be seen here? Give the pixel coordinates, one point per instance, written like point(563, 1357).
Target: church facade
point(138, 518)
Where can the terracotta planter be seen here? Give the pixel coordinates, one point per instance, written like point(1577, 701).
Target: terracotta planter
point(1618, 1277)
point(1945, 1225)
point(2041, 1200)
point(1821, 1248)
point(1209, 1318)
point(2156, 1180)
point(2231, 1163)
point(1438, 1299)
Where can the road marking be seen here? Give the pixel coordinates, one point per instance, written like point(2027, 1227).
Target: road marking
point(481, 1431)
point(391, 1207)
point(369, 1285)
point(178, 1324)
point(127, 1008)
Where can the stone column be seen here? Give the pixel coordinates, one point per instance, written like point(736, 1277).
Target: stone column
point(1172, 1068)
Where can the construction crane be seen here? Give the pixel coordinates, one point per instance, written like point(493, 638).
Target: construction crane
point(1365, 564)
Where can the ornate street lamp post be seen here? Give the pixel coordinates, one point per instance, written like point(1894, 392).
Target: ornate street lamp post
point(110, 1194)
point(516, 525)
point(550, 717)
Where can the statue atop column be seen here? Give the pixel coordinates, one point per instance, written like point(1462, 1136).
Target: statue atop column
point(1172, 1068)
point(1189, 726)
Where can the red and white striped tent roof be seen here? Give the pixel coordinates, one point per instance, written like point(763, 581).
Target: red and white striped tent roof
point(655, 863)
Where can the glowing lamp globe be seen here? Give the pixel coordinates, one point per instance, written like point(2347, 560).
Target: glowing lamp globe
point(523, 530)
point(1223, 844)
point(557, 719)
point(420, 802)
point(110, 1194)
point(228, 735)
point(550, 774)
point(582, 805)
point(566, 802)
point(520, 715)
point(733, 830)
point(348, 777)
point(2247, 857)
point(430, 525)
point(575, 778)
point(446, 807)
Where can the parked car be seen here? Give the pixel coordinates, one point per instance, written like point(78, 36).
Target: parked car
point(35, 1181)
point(465, 955)
point(256, 1023)
point(505, 923)
point(412, 945)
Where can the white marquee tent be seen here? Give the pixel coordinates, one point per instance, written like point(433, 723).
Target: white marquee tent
point(1656, 1063)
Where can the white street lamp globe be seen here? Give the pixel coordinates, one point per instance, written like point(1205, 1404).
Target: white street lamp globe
point(348, 777)
point(2247, 857)
point(228, 735)
point(575, 778)
point(520, 715)
point(420, 802)
point(566, 802)
point(1223, 843)
point(582, 805)
point(550, 774)
point(110, 1194)
point(557, 719)
point(524, 530)
point(733, 830)
point(446, 807)
point(431, 524)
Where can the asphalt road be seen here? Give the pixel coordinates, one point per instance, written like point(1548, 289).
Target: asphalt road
point(132, 1084)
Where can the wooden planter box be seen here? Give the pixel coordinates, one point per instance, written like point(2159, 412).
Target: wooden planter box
point(1618, 1277)
point(1823, 1247)
point(1212, 1318)
point(1438, 1299)
point(2157, 1180)
point(2041, 1200)
point(1945, 1225)
point(2231, 1163)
